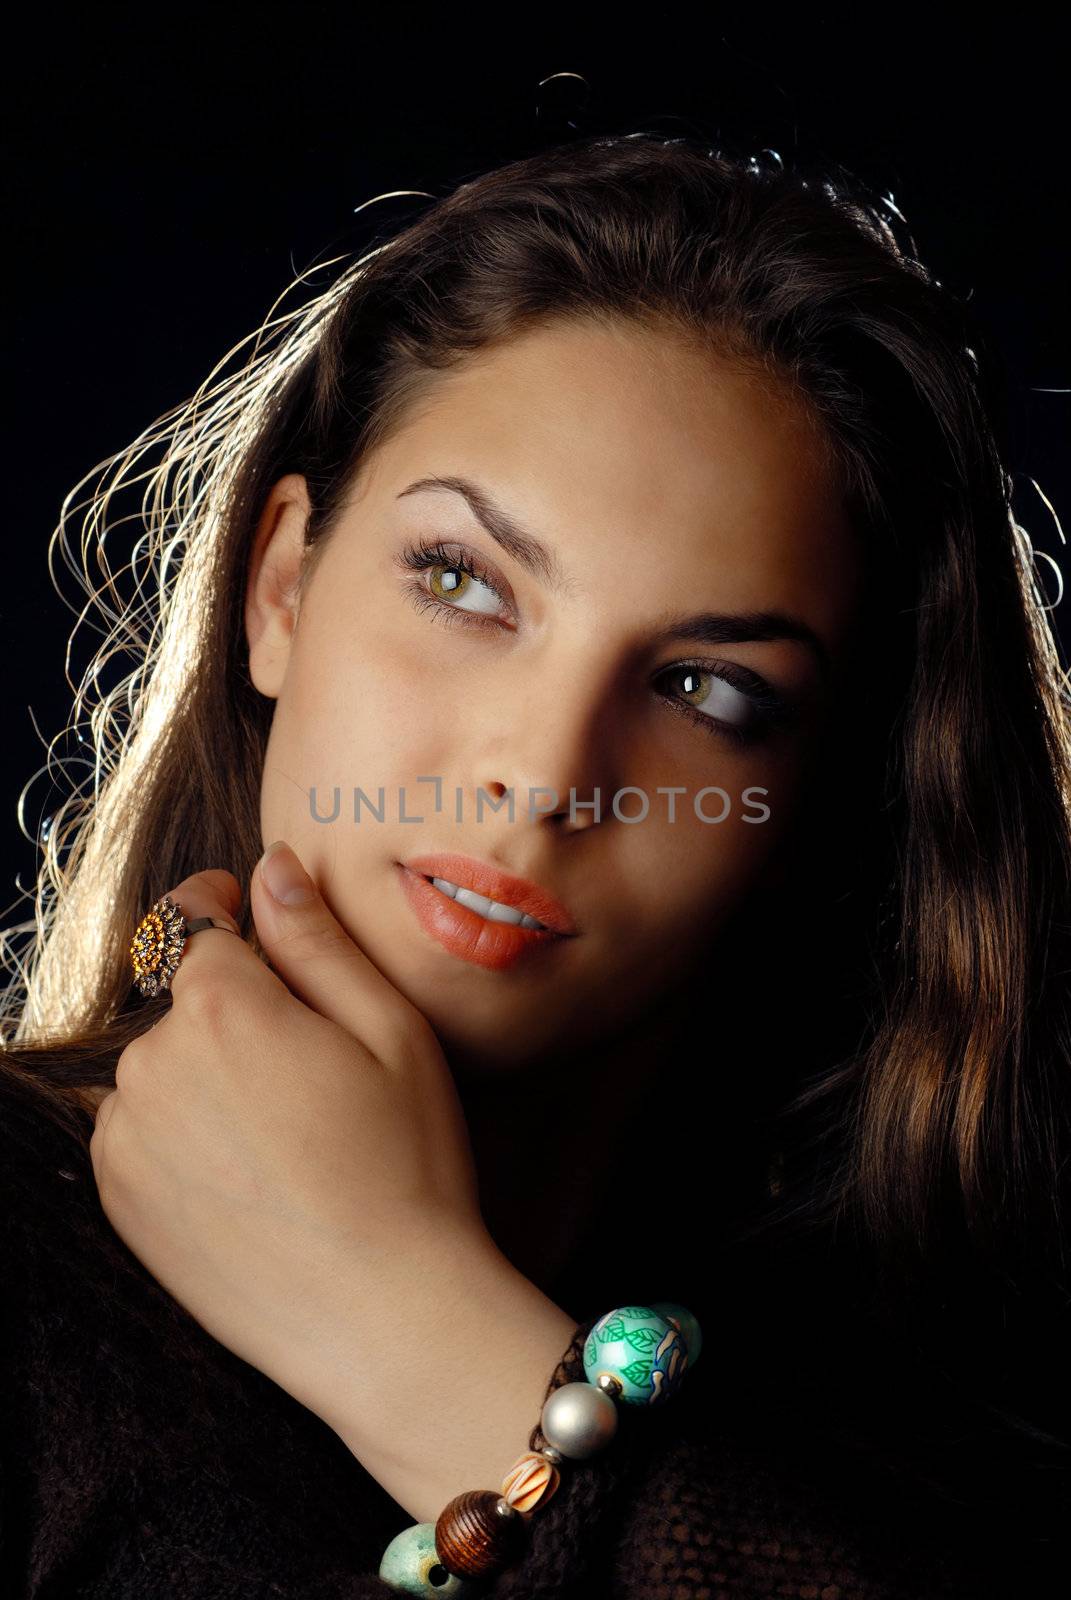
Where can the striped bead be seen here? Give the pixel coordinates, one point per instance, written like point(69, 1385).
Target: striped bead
point(477, 1534)
point(530, 1482)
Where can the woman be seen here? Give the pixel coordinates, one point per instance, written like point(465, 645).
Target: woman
point(626, 545)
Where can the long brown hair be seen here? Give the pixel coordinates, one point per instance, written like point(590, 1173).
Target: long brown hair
point(941, 1121)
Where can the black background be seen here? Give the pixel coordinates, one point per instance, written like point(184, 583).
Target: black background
point(169, 173)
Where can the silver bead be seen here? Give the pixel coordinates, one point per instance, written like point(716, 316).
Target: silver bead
point(609, 1385)
point(505, 1510)
point(552, 1455)
point(579, 1420)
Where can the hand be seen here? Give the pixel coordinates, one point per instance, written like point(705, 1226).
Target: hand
point(281, 1137)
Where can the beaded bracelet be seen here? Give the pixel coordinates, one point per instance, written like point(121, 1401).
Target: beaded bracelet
point(634, 1354)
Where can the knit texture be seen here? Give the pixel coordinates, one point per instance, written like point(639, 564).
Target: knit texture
point(140, 1458)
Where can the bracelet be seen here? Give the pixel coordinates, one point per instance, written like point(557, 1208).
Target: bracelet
point(637, 1355)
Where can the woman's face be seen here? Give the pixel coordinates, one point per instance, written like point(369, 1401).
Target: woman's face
point(646, 487)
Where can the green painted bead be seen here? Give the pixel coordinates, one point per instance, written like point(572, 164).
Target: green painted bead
point(682, 1318)
point(641, 1349)
point(411, 1565)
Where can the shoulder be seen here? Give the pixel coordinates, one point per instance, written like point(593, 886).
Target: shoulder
point(44, 1147)
point(61, 1261)
point(77, 1306)
point(717, 1508)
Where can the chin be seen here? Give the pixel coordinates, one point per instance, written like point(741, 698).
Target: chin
point(489, 1057)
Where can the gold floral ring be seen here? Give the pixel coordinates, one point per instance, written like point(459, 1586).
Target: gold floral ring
point(158, 943)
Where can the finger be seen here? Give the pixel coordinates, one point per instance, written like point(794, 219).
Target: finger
point(101, 1118)
point(318, 959)
point(103, 1113)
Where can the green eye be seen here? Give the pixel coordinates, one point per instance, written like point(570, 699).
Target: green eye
point(726, 700)
point(453, 578)
point(452, 582)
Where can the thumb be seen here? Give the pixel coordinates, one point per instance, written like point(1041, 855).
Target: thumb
point(318, 960)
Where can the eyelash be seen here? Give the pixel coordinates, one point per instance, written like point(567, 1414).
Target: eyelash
point(771, 709)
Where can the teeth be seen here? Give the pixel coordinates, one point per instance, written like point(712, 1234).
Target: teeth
point(492, 910)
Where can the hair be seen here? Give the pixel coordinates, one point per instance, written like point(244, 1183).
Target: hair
point(928, 1125)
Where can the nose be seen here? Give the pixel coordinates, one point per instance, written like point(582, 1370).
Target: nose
point(558, 756)
point(543, 804)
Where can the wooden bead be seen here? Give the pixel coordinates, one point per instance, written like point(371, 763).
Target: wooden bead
point(530, 1482)
point(474, 1538)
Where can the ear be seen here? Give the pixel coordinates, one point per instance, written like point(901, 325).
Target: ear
point(271, 597)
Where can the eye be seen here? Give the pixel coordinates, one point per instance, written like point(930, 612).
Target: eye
point(455, 582)
point(726, 698)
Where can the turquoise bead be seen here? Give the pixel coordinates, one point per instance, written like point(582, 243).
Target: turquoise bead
point(411, 1565)
point(688, 1325)
point(641, 1349)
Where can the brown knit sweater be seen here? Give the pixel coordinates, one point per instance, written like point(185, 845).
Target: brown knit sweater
point(140, 1458)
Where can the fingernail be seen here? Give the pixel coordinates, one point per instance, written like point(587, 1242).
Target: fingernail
point(286, 878)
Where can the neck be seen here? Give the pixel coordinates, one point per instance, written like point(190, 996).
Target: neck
point(544, 1140)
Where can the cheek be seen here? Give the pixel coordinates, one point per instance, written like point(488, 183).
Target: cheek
point(369, 713)
point(697, 877)
point(679, 881)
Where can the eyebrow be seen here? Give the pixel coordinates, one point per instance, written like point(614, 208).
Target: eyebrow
point(540, 562)
point(528, 551)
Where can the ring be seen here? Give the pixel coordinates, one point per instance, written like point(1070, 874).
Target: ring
point(158, 942)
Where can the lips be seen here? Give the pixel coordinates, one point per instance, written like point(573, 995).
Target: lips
point(468, 873)
point(465, 933)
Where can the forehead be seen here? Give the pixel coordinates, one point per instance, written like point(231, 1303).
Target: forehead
point(615, 439)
